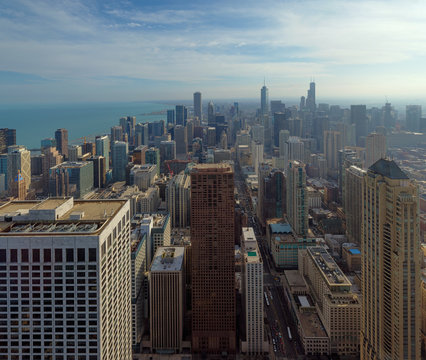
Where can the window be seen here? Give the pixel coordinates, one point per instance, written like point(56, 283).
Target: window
point(24, 255)
point(81, 255)
point(2, 255)
point(58, 255)
point(13, 255)
point(47, 255)
point(36, 255)
point(92, 254)
point(70, 255)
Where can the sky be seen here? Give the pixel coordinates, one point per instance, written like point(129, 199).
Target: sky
point(55, 51)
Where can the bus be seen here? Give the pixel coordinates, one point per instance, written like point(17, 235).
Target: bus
point(289, 333)
point(266, 298)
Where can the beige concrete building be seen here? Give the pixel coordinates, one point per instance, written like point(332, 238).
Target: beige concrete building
point(338, 308)
point(178, 199)
point(375, 148)
point(76, 255)
point(390, 248)
point(167, 300)
point(332, 145)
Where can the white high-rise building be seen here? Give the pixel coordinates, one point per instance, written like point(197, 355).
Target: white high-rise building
point(178, 199)
point(66, 279)
point(102, 149)
point(252, 293)
point(257, 155)
point(294, 149)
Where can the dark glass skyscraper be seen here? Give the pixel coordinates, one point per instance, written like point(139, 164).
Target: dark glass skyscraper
point(181, 115)
point(61, 137)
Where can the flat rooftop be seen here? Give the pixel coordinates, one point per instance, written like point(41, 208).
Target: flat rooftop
point(250, 246)
point(212, 168)
point(328, 267)
point(168, 258)
point(294, 279)
point(311, 325)
point(57, 215)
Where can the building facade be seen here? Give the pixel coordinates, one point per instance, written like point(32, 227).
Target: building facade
point(390, 264)
point(167, 299)
point(213, 269)
point(77, 261)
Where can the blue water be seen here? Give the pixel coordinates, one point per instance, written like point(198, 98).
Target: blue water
point(36, 122)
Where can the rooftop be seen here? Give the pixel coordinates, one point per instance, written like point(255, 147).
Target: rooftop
point(388, 168)
point(294, 278)
point(168, 259)
point(56, 215)
point(212, 168)
point(328, 267)
point(71, 164)
point(280, 228)
point(249, 244)
point(311, 325)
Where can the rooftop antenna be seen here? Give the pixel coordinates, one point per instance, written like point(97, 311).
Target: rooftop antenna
point(264, 83)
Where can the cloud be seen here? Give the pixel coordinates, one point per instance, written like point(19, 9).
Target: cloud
point(77, 42)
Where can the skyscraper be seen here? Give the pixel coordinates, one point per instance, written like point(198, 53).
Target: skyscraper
point(375, 148)
point(18, 168)
point(181, 139)
point(7, 138)
point(198, 107)
point(280, 123)
point(211, 118)
point(359, 118)
point(178, 197)
point(119, 153)
point(76, 297)
point(413, 113)
point(297, 198)
point(71, 178)
point(213, 273)
point(390, 265)
point(252, 292)
point(310, 100)
point(354, 178)
point(167, 299)
point(181, 115)
point(332, 145)
point(264, 100)
point(170, 117)
point(102, 149)
point(61, 137)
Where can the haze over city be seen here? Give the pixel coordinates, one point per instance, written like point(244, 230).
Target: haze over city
point(75, 51)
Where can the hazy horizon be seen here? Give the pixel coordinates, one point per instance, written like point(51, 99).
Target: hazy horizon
point(79, 51)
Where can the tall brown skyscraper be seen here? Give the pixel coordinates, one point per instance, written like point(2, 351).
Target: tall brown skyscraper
point(213, 274)
point(61, 137)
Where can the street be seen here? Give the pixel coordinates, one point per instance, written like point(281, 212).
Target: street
point(277, 312)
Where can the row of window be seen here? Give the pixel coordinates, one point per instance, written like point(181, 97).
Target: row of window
point(71, 255)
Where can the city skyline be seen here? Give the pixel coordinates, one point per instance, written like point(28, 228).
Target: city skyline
point(75, 51)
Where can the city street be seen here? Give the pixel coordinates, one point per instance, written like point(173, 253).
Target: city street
point(277, 313)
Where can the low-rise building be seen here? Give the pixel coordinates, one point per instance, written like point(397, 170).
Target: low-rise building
point(338, 307)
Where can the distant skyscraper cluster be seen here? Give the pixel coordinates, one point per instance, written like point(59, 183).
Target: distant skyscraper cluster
point(220, 231)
